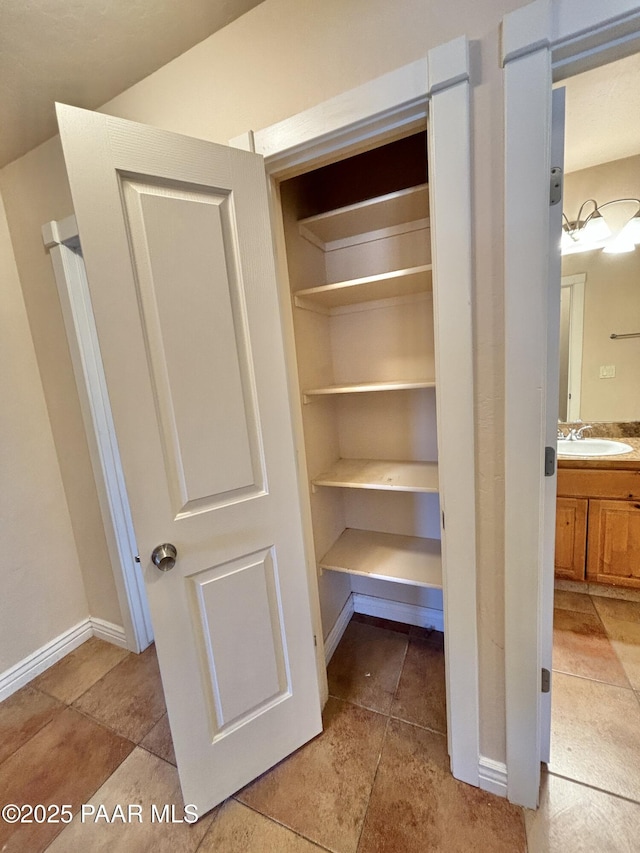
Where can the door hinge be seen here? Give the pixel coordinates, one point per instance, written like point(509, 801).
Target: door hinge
point(549, 461)
point(555, 188)
point(137, 558)
point(315, 641)
point(545, 685)
point(443, 520)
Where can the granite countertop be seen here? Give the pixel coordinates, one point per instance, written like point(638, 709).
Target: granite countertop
point(623, 461)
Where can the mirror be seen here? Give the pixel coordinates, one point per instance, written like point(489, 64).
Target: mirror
point(600, 374)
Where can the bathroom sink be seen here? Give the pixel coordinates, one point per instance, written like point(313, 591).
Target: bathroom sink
point(592, 447)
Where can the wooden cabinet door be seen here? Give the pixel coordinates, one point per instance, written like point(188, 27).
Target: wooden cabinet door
point(571, 538)
point(614, 543)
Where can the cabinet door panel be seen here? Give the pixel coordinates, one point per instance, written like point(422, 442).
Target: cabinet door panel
point(614, 543)
point(571, 538)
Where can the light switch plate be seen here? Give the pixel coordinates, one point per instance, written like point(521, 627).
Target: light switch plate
point(607, 371)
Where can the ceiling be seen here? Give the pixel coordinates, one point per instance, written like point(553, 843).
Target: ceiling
point(84, 52)
point(603, 114)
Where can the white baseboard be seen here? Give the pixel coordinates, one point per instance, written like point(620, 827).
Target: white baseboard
point(492, 776)
point(340, 626)
point(109, 632)
point(22, 673)
point(383, 608)
point(397, 611)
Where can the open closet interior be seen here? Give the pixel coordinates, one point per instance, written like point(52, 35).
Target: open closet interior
point(358, 246)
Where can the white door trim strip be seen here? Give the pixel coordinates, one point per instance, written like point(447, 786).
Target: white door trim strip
point(544, 40)
point(62, 240)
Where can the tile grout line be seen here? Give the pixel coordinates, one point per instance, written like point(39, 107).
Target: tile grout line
point(595, 680)
point(109, 728)
point(273, 820)
point(615, 651)
point(103, 676)
point(607, 635)
point(69, 705)
point(88, 797)
point(43, 726)
point(593, 604)
point(594, 787)
point(417, 725)
point(373, 783)
point(400, 672)
point(97, 681)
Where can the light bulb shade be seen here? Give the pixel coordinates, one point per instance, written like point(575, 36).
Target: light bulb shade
point(618, 233)
point(621, 243)
point(595, 229)
point(631, 231)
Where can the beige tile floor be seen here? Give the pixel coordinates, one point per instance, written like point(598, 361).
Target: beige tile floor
point(93, 730)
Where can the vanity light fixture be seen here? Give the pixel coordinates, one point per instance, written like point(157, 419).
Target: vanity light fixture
point(593, 231)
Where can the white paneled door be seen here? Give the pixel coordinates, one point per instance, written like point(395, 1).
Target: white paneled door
point(176, 239)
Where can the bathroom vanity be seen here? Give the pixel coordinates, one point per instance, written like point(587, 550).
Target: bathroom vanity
point(598, 518)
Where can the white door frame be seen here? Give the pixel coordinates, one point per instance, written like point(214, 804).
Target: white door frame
point(545, 41)
point(62, 241)
point(387, 108)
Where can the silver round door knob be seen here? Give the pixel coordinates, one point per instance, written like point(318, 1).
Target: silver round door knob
point(164, 556)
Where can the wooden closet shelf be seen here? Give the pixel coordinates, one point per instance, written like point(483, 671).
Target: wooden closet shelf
point(363, 387)
point(381, 474)
point(386, 556)
point(370, 288)
point(371, 215)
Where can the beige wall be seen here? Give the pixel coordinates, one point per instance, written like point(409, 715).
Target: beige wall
point(35, 191)
point(42, 590)
point(282, 57)
point(612, 299)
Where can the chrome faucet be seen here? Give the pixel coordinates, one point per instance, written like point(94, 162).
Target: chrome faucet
point(576, 434)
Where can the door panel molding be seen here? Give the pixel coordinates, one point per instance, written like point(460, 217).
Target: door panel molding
point(241, 598)
point(169, 223)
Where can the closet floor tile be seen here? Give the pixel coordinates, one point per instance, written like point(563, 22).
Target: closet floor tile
point(366, 666)
point(70, 677)
point(239, 829)
point(322, 790)
point(574, 817)
point(416, 805)
point(625, 639)
point(145, 780)
point(22, 715)
point(129, 698)
point(580, 602)
point(65, 762)
point(581, 647)
point(421, 694)
point(595, 735)
point(159, 740)
point(615, 608)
